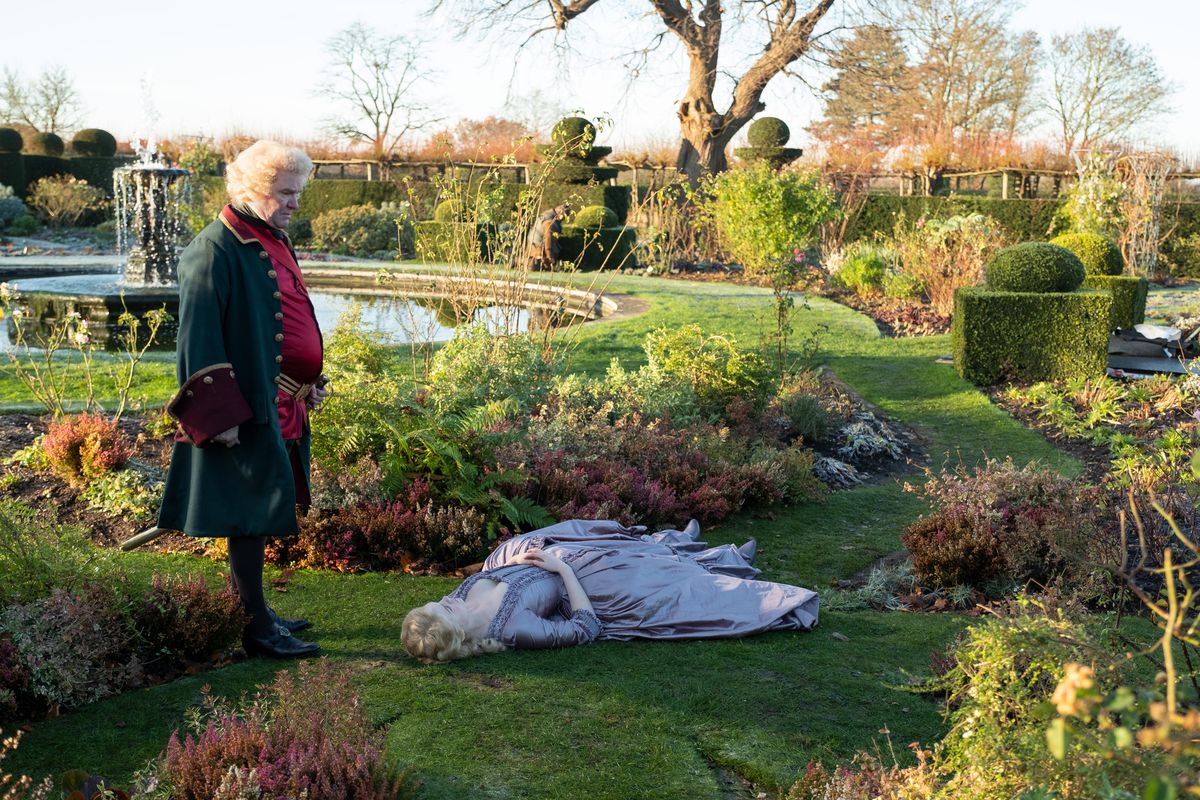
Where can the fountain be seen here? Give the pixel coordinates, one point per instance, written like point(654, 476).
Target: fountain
point(147, 198)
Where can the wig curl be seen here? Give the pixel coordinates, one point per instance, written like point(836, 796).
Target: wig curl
point(431, 636)
point(250, 176)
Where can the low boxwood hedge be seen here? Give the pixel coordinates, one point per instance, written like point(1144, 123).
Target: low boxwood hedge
point(1028, 336)
point(609, 248)
point(1129, 297)
point(1034, 267)
point(38, 167)
point(1025, 220)
point(96, 170)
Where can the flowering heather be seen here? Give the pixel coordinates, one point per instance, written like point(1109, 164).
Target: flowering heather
point(83, 446)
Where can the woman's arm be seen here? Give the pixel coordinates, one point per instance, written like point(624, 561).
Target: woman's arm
point(575, 593)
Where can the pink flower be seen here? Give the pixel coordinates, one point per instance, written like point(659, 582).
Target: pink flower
point(796, 251)
point(800, 258)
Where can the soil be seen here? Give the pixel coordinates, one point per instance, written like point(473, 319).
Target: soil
point(1097, 459)
point(41, 488)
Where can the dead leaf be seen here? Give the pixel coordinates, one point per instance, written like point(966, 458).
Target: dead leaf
point(841, 637)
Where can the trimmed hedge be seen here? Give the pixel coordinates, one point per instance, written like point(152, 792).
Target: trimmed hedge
point(94, 142)
point(618, 198)
point(573, 171)
point(768, 132)
point(38, 167)
point(1099, 254)
point(454, 242)
point(96, 171)
point(1181, 250)
point(11, 140)
point(1034, 267)
point(594, 217)
point(609, 248)
point(1030, 336)
point(1024, 220)
point(45, 144)
point(12, 172)
point(1129, 297)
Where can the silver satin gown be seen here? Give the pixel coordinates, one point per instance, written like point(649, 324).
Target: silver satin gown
point(665, 585)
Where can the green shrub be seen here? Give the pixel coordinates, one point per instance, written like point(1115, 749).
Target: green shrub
point(37, 553)
point(608, 248)
point(1022, 336)
point(1100, 255)
point(1129, 297)
point(616, 198)
point(12, 172)
point(475, 368)
point(96, 171)
point(355, 231)
point(64, 199)
point(11, 140)
point(450, 211)
point(864, 267)
point(38, 167)
point(574, 133)
point(760, 216)
point(11, 206)
point(768, 132)
point(807, 416)
point(902, 286)
point(1034, 267)
point(23, 225)
point(713, 366)
point(594, 217)
point(45, 144)
point(94, 142)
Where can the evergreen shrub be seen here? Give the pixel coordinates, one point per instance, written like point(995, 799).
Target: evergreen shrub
point(11, 140)
point(864, 267)
point(594, 217)
point(45, 144)
point(38, 167)
point(768, 132)
point(1129, 297)
point(1034, 267)
point(617, 198)
point(1029, 336)
point(574, 132)
point(95, 170)
point(1099, 254)
point(1022, 220)
point(12, 172)
point(94, 142)
point(449, 211)
point(608, 248)
point(355, 231)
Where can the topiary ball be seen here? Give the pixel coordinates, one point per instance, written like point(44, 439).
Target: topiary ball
point(593, 217)
point(1099, 254)
point(11, 140)
point(1035, 267)
point(768, 132)
point(94, 142)
point(448, 211)
point(574, 131)
point(45, 144)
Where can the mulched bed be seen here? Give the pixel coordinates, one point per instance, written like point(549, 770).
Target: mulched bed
point(895, 317)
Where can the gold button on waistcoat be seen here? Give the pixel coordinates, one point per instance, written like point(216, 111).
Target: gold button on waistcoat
point(279, 337)
point(263, 254)
point(276, 295)
point(278, 379)
point(270, 273)
point(231, 373)
point(278, 359)
point(278, 315)
point(188, 392)
point(208, 378)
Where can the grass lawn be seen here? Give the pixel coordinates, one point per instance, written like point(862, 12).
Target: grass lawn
point(643, 719)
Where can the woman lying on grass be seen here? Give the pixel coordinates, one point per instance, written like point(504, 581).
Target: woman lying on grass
point(583, 580)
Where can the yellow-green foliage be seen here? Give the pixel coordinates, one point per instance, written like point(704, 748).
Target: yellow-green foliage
point(1129, 297)
point(1099, 254)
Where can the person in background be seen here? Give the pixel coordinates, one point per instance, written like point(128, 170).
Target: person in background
point(249, 357)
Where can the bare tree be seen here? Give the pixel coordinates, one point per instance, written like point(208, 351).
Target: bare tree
point(786, 32)
point(1102, 86)
point(374, 78)
point(970, 74)
point(47, 103)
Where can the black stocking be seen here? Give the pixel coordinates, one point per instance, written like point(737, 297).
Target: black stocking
point(246, 575)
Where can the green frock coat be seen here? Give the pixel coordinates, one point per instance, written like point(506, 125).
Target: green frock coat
point(228, 354)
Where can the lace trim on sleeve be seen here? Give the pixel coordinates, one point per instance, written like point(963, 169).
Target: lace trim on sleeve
point(590, 622)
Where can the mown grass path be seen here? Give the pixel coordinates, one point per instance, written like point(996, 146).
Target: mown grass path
point(643, 719)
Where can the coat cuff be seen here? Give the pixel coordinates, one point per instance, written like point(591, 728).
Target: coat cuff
point(208, 403)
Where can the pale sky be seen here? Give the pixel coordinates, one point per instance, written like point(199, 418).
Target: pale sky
point(251, 66)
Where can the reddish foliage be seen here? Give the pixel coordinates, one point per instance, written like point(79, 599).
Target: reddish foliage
point(183, 618)
point(84, 446)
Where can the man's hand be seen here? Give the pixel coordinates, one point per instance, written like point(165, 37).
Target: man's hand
point(317, 396)
point(228, 438)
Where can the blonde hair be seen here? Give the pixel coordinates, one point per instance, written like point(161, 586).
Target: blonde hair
point(431, 636)
point(249, 176)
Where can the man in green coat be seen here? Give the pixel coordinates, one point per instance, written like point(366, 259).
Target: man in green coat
point(249, 356)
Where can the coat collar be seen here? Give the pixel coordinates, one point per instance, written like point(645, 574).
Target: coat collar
point(245, 231)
